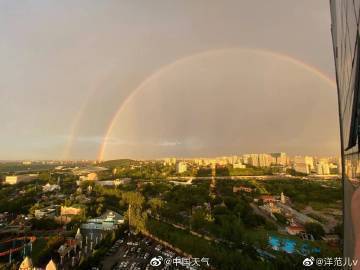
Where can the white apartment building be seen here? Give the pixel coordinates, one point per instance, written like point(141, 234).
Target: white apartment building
point(280, 158)
point(303, 164)
point(323, 167)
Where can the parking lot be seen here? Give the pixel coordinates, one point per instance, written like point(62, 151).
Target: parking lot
point(136, 253)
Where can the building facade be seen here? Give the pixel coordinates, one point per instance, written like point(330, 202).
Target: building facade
point(303, 164)
point(322, 167)
point(280, 158)
point(181, 167)
point(345, 35)
point(23, 178)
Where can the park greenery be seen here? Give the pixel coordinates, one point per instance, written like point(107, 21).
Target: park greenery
point(158, 170)
point(218, 224)
point(315, 229)
point(44, 249)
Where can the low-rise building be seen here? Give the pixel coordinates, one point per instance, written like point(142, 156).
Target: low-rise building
point(110, 220)
point(295, 229)
point(90, 177)
point(47, 212)
point(70, 211)
point(237, 189)
point(267, 198)
point(22, 178)
point(50, 188)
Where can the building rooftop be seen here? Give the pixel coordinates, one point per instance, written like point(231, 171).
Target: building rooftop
point(51, 265)
point(26, 264)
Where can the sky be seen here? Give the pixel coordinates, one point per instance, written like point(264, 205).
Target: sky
point(150, 79)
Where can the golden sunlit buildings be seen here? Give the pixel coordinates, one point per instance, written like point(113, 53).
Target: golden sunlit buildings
point(170, 161)
point(303, 164)
point(260, 160)
point(26, 264)
point(322, 167)
point(89, 177)
point(70, 210)
point(280, 158)
point(181, 167)
point(239, 165)
point(345, 35)
point(23, 178)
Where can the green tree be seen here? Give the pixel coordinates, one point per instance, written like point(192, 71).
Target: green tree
point(315, 229)
point(137, 217)
point(155, 205)
point(198, 219)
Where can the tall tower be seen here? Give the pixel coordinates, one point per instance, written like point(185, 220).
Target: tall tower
point(282, 198)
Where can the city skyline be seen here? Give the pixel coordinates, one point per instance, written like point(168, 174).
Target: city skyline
point(179, 134)
point(220, 156)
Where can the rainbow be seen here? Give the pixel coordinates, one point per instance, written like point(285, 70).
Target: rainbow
point(317, 72)
point(79, 116)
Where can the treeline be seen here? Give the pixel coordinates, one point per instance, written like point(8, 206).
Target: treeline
point(220, 256)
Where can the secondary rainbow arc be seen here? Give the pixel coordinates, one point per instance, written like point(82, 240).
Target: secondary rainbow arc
point(313, 70)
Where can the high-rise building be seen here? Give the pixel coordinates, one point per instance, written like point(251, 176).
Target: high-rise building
point(346, 42)
point(303, 164)
point(181, 167)
point(258, 160)
point(170, 161)
point(301, 168)
point(246, 159)
point(322, 167)
point(279, 158)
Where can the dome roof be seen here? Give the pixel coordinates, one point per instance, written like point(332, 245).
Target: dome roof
point(26, 264)
point(51, 265)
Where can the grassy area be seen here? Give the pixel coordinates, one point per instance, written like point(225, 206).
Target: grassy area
point(249, 171)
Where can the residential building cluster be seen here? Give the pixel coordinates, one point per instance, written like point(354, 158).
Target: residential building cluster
point(279, 160)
